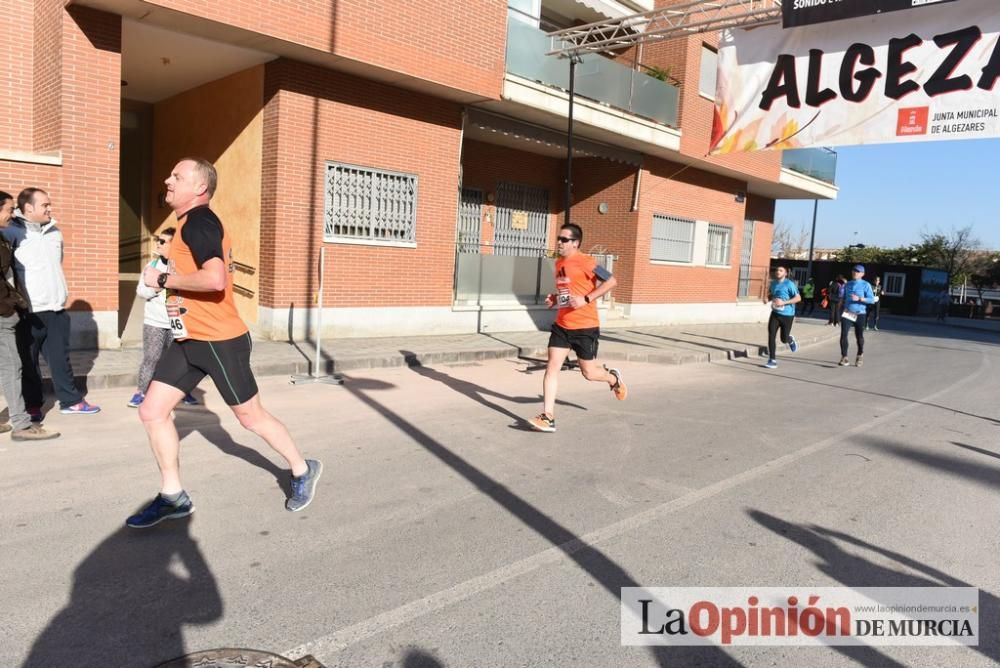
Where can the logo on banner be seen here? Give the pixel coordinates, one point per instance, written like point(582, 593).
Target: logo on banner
point(926, 75)
point(912, 121)
point(802, 616)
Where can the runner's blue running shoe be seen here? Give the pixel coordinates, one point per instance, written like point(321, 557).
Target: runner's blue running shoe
point(793, 345)
point(771, 364)
point(304, 487)
point(160, 509)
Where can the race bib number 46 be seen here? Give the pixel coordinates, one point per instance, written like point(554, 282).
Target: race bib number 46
point(175, 315)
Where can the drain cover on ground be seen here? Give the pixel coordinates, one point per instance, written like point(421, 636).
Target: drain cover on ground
point(244, 658)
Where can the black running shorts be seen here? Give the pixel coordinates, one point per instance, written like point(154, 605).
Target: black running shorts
point(582, 341)
point(186, 363)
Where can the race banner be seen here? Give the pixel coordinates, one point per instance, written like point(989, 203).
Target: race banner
point(804, 12)
point(910, 76)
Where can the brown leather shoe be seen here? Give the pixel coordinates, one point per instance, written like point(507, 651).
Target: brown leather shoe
point(33, 433)
point(5, 427)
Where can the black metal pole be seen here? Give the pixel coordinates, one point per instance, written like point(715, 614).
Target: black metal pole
point(812, 240)
point(569, 136)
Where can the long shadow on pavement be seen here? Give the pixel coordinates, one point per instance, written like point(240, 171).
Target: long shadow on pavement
point(976, 472)
point(857, 571)
point(599, 566)
point(988, 453)
point(693, 343)
point(209, 425)
point(132, 596)
point(477, 393)
point(927, 329)
point(744, 366)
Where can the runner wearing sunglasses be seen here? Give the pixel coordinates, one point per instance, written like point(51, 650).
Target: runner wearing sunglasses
point(580, 282)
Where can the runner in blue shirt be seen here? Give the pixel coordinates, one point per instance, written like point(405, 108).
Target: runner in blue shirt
point(857, 295)
point(783, 296)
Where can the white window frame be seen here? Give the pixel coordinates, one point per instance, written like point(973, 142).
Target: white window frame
point(727, 247)
point(329, 236)
point(692, 225)
point(887, 278)
point(705, 51)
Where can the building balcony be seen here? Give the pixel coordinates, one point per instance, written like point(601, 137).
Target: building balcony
point(818, 163)
point(810, 171)
point(613, 103)
point(599, 79)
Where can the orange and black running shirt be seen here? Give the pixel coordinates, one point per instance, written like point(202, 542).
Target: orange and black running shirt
point(577, 275)
point(204, 316)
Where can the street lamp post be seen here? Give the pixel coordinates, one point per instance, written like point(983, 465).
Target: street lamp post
point(573, 60)
point(812, 241)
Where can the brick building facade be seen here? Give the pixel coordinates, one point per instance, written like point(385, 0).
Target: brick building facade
point(422, 145)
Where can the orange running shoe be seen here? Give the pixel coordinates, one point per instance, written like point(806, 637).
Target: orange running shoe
point(619, 388)
point(543, 422)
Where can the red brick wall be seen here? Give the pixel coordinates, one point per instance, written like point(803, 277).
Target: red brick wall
point(459, 44)
point(683, 56)
point(669, 189)
point(597, 181)
point(91, 89)
point(16, 75)
point(485, 165)
point(761, 210)
point(48, 71)
point(312, 115)
point(76, 101)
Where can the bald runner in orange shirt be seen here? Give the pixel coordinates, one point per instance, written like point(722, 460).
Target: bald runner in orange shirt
point(210, 339)
point(580, 282)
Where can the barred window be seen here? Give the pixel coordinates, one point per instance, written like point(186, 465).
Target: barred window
point(894, 284)
point(369, 205)
point(672, 239)
point(719, 243)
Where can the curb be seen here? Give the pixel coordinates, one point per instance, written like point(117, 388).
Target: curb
point(347, 363)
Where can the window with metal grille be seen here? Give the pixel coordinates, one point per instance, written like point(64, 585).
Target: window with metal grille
point(672, 239)
point(719, 242)
point(894, 284)
point(799, 275)
point(369, 205)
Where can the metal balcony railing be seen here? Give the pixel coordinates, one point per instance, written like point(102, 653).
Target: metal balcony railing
point(524, 277)
point(819, 163)
point(597, 78)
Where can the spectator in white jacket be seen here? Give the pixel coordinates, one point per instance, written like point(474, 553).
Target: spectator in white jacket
point(156, 334)
point(38, 254)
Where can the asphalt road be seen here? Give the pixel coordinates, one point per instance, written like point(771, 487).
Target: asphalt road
point(446, 534)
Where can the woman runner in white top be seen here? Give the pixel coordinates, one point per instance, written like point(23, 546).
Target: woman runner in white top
point(156, 334)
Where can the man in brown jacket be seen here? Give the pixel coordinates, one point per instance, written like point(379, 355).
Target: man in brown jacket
point(10, 362)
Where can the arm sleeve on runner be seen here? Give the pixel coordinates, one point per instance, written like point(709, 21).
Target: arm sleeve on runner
point(203, 235)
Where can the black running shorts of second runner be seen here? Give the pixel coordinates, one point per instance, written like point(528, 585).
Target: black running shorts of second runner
point(583, 342)
point(186, 363)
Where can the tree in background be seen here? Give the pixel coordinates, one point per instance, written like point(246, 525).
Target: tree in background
point(953, 252)
point(984, 272)
point(788, 243)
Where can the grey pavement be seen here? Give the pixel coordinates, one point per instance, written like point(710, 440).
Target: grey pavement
point(664, 345)
point(446, 534)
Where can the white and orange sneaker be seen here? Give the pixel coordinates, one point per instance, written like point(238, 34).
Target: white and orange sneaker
point(542, 422)
point(619, 388)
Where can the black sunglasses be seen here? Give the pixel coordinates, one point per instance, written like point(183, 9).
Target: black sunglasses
point(565, 240)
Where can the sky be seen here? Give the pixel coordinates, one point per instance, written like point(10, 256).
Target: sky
point(890, 193)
